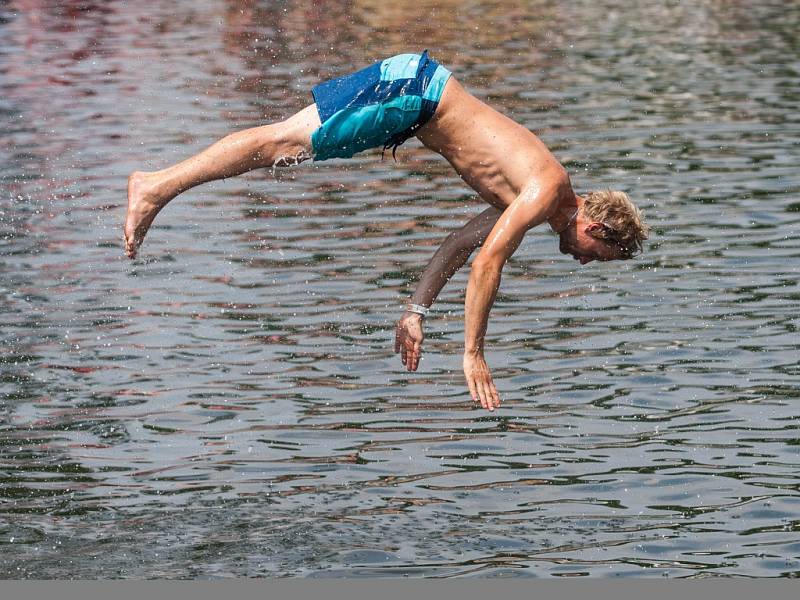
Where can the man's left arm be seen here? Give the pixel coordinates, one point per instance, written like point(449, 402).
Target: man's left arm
point(448, 259)
point(532, 207)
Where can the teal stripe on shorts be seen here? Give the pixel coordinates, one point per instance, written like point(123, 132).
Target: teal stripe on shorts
point(436, 86)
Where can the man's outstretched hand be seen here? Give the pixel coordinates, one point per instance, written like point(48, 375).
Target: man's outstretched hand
point(479, 380)
point(408, 339)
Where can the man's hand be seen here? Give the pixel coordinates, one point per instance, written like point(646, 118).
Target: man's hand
point(408, 338)
point(479, 380)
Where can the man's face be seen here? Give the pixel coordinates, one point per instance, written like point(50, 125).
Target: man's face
point(583, 247)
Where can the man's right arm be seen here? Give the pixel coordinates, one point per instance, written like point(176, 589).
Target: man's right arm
point(449, 258)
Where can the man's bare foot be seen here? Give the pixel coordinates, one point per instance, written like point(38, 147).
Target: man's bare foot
point(143, 206)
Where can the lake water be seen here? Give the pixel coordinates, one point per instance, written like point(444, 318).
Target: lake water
point(229, 403)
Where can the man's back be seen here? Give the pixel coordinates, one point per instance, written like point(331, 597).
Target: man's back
point(493, 154)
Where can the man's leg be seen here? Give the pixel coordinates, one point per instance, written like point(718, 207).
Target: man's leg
point(279, 144)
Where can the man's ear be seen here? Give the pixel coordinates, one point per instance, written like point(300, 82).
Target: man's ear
point(594, 226)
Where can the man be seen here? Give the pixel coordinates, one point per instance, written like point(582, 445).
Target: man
point(507, 165)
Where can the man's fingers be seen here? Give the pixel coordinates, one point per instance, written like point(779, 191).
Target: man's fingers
point(488, 400)
point(481, 385)
point(487, 392)
point(495, 395)
point(409, 345)
point(491, 392)
point(408, 350)
point(415, 356)
point(481, 393)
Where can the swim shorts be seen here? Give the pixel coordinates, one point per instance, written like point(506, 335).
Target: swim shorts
point(382, 105)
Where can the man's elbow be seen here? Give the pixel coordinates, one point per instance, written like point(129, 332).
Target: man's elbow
point(458, 242)
point(487, 264)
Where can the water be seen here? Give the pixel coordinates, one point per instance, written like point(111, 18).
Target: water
point(229, 404)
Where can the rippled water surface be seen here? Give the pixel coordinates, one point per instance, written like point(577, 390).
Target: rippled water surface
point(229, 403)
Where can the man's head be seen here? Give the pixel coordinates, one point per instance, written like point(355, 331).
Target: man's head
point(607, 227)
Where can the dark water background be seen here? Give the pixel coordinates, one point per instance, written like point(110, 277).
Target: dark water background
point(229, 405)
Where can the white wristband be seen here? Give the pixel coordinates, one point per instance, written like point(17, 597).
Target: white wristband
point(417, 308)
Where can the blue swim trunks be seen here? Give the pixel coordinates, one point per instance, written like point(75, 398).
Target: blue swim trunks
point(382, 105)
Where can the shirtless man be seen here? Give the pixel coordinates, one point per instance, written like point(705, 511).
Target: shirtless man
point(507, 165)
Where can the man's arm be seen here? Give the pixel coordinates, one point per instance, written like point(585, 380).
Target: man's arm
point(449, 258)
point(532, 207)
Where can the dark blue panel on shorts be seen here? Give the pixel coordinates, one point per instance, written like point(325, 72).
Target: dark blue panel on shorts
point(365, 87)
point(361, 89)
point(342, 92)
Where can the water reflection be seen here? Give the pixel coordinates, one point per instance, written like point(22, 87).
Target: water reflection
point(232, 400)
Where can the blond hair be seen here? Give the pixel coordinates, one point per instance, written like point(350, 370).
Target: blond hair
point(624, 224)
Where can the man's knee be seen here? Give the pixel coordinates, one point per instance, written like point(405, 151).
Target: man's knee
point(283, 144)
point(297, 129)
point(287, 142)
